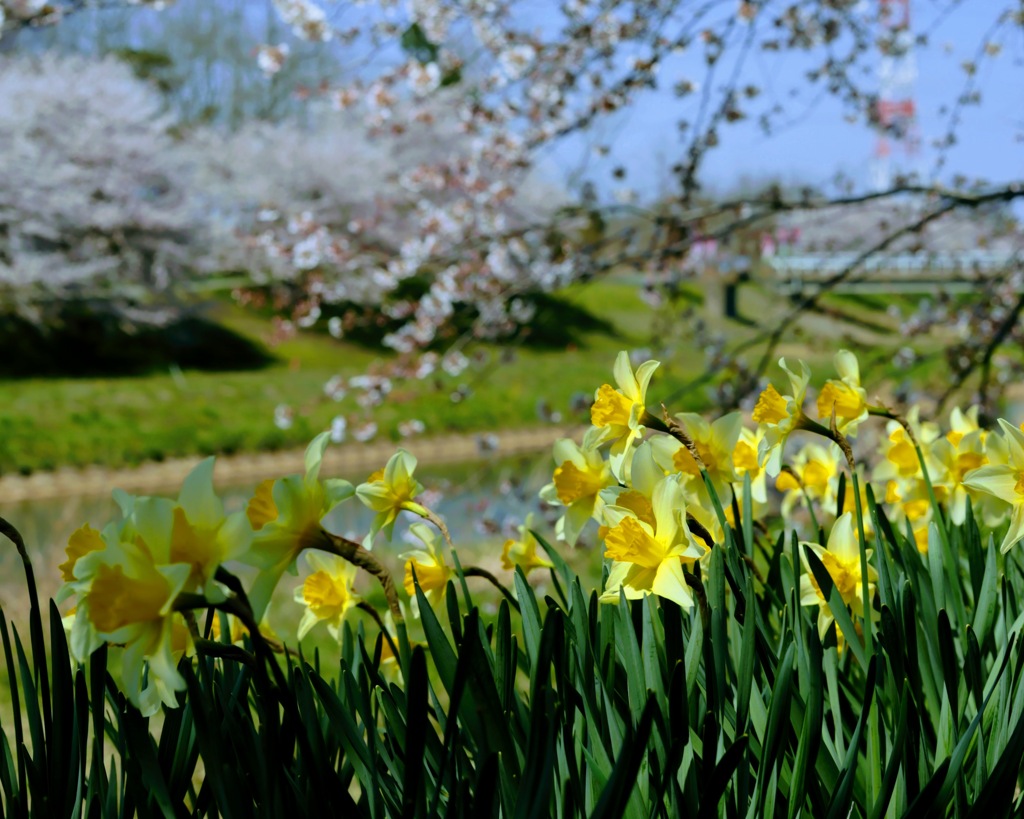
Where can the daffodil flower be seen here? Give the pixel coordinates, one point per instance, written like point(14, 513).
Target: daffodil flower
point(779, 415)
point(431, 571)
point(1005, 482)
point(326, 593)
point(844, 396)
point(899, 458)
point(619, 413)
point(82, 541)
point(127, 598)
point(814, 472)
point(286, 515)
point(647, 472)
point(198, 531)
point(715, 443)
point(954, 462)
point(746, 462)
point(964, 423)
point(389, 492)
point(842, 561)
point(580, 475)
point(523, 552)
point(649, 559)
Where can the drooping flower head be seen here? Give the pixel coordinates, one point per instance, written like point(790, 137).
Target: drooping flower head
point(126, 594)
point(326, 593)
point(390, 491)
point(1005, 482)
point(201, 535)
point(813, 473)
point(779, 415)
point(619, 413)
point(845, 396)
point(522, 551)
point(431, 571)
point(715, 443)
point(286, 515)
point(842, 561)
point(745, 461)
point(649, 559)
point(580, 475)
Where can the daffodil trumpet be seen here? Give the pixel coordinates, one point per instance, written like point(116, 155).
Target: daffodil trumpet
point(360, 557)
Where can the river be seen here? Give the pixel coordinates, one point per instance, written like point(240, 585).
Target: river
point(481, 502)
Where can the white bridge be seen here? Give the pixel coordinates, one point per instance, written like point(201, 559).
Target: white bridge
point(963, 271)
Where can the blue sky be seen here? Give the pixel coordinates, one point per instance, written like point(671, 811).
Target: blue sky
point(820, 142)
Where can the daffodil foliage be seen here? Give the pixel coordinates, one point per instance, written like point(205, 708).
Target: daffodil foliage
point(811, 612)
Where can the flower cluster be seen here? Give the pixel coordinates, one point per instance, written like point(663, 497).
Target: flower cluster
point(136, 583)
point(664, 494)
point(651, 484)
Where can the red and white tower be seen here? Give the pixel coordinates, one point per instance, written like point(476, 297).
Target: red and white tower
point(895, 115)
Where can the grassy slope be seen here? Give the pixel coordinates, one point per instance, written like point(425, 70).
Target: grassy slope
point(47, 423)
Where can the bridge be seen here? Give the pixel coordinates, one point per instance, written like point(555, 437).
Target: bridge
point(954, 272)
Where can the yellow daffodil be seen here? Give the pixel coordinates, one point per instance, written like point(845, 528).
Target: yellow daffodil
point(199, 532)
point(390, 492)
point(326, 593)
point(779, 415)
point(654, 461)
point(954, 462)
point(523, 552)
point(715, 443)
point(813, 473)
point(746, 462)
point(580, 475)
point(899, 458)
point(845, 396)
point(619, 413)
point(431, 571)
point(127, 596)
point(1005, 482)
point(81, 542)
point(286, 516)
point(964, 423)
point(649, 559)
point(842, 561)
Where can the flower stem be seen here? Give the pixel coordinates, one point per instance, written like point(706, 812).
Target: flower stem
point(355, 554)
point(476, 571)
point(363, 606)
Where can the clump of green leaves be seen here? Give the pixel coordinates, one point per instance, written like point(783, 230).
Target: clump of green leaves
point(566, 707)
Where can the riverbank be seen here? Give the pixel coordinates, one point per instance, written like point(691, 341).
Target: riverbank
point(351, 460)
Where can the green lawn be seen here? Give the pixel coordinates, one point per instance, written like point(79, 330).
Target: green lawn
point(47, 423)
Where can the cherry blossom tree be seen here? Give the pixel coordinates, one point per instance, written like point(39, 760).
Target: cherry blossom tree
point(93, 195)
point(518, 84)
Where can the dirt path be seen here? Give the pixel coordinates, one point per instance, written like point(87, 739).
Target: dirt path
point(353, 461)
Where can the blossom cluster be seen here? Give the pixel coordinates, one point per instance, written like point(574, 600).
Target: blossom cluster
point(664, 492)
point(136, 583)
